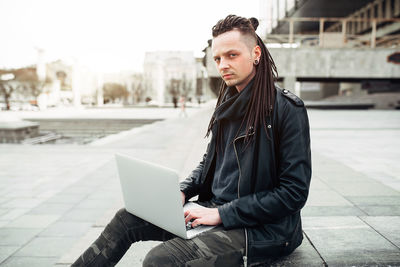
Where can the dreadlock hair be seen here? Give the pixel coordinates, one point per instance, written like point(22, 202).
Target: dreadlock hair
point(263, 91)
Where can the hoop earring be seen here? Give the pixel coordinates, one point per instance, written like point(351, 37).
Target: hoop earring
point(256, 62)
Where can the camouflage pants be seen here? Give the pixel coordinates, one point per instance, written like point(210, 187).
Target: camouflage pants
point(216, 247)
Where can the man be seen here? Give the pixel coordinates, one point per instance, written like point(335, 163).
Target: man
point(254, 177)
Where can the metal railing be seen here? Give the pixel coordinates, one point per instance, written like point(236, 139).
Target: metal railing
point(371, 37)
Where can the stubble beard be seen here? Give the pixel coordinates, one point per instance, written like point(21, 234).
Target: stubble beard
point(232, 82)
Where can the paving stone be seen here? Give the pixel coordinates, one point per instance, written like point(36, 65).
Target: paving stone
point(46, 194)
point(32, 221)
point(317, 184)
point(29, 261)
point(80, 190)
point(79, 246)
point(7, 251)
point(91, 203)
point(333, 222)
point(375, 200)
point(21, 193)
point(340, 174)
point(13, 214)
point(17, 236)
point(381, 210)
point(3, 192)
point(366, 188)
point(83, 215)
point(66, 229)
point(326, 198)
point(66, 198)
point(394, 185)
point(3, 211)
point(3, 199)
point(382, 177)
point(46, 246)
point(51, 208)
point(349, 241)
point(2, 223)
point(26, 203)
point(388, 226)
point(311, 211)
point(104, 194)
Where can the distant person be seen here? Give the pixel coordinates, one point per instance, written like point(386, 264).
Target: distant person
point(175, 101)
point(182, 102)
point(148, 100)
point(253, 179)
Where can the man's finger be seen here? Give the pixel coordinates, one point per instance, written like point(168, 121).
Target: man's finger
point(190, 210)
point(196, 222)
point(188, 218)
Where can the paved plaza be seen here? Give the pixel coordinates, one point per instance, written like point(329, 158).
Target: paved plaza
point(56, 199)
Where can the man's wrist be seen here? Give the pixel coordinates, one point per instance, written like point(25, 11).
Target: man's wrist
point(219, 221)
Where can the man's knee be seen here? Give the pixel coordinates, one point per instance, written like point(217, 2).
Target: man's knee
point(159, 256)
point(122, 213)
point(128, 219)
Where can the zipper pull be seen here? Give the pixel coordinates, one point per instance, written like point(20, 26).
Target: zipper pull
point(245, 261)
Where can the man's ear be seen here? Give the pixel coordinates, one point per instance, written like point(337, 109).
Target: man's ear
point(257, 52)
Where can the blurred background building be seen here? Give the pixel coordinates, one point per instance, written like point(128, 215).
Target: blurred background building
point(46, 84)
point(169, 75)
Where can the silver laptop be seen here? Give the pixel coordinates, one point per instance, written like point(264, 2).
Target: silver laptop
point(152, 193)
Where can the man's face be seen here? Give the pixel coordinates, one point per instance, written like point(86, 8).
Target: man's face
point(234, 57)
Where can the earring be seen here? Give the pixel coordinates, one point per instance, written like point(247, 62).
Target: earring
point(256, 62)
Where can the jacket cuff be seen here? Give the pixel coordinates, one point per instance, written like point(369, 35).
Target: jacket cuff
point(225, 212)
point(186, 190)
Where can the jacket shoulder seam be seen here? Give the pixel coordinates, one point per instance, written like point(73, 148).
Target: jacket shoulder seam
point(291, 97)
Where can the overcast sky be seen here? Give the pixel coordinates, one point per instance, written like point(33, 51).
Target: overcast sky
point(108, 36)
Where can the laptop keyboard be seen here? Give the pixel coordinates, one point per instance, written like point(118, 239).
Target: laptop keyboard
point(189, 226)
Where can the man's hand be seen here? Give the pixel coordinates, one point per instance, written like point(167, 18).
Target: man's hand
point(205, 216)
point(183, 198)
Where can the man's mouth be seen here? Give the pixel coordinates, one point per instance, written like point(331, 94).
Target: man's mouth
point(227, 76)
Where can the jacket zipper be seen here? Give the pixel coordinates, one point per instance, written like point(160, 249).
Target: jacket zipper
point(240, 175)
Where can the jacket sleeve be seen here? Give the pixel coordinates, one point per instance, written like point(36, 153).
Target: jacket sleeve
point(294, 174)
point(191, 185)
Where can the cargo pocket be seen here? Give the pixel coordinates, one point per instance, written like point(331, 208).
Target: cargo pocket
point(182, 250)
point(232, 258)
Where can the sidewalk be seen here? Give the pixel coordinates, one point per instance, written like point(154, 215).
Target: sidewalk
point(55, 200)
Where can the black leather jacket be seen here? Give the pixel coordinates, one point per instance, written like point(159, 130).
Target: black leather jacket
point(273, 184)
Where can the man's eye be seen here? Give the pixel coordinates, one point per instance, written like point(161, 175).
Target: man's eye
point(216, 59)
point(232, 55)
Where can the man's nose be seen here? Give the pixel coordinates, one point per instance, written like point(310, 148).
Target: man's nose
point(223, 64)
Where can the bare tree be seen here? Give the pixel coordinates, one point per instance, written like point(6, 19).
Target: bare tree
point(25, 79)
point(6, 90)
point(186, 86)
point(113, 91)
point(138, 88)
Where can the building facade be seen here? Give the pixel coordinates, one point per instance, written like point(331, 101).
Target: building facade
point(169, 75)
